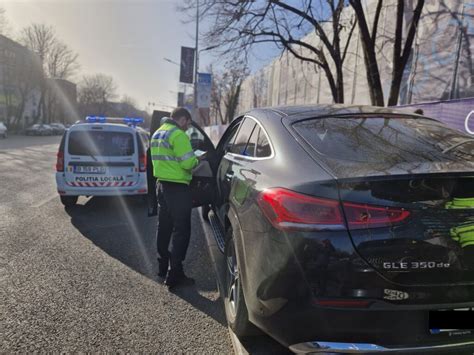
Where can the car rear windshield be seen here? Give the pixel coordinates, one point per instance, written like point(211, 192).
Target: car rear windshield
point(99, 143)
point(387, 140)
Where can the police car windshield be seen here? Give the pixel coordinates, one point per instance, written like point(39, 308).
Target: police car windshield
point(101, 143)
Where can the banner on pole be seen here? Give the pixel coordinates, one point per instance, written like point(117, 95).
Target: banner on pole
point(204, 90)
point(187, 65)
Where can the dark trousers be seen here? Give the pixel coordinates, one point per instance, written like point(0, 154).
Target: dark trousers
point(174, 223)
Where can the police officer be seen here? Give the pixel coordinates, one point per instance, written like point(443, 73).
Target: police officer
point(173, 160)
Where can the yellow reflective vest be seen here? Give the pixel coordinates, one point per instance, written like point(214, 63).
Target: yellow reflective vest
point(172, 155)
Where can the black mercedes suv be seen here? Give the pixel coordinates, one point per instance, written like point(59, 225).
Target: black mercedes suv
point(344, 228)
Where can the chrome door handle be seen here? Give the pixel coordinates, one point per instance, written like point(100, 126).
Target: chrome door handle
point(229, 176)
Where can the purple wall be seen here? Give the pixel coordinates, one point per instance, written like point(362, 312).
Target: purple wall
point(453, 112)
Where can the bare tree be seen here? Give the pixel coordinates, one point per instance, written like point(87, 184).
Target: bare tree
point(217, 93)
point(128, 100)
point(260, 88)
point(128, 107)
point(462, 18)
point(401, 51)
point(225, 92)
point(95, 92)
point(57, 60)
point(237, 26)
point(4, 25)
point(27, 76)
point(62, 61)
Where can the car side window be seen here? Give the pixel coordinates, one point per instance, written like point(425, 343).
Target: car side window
point(263, 145)
point(243, 136)
point(252, 143)
point(196, 138)
point(231, 138)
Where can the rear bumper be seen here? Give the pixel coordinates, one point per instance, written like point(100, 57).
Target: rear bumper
point(366, 348)
point(286, 279)
point(140, 188)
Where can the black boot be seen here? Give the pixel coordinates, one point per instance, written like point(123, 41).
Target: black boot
point(177, 278)
point(162, 268)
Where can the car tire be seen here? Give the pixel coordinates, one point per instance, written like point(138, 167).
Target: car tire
point(234, 301)
point(68, 201)
point(205, 212)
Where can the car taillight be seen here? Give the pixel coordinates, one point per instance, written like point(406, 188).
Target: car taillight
point(142, 163)
point(366, 216)
point(289, 210)
point(60, 161)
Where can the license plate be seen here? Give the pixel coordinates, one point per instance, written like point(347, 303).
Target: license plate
point(79, 169)
point(453, 321)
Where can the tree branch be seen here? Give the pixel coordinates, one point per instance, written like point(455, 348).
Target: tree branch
point(376, 21)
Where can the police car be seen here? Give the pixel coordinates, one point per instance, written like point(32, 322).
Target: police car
point(102, 156)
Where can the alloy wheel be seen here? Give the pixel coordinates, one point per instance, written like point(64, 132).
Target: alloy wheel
point(233, 282)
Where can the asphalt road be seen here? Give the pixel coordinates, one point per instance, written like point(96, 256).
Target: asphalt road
point(84, 279)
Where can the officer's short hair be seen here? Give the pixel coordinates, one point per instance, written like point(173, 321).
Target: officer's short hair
point(181, 112)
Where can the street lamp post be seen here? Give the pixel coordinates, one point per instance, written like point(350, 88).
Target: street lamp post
point(195, 108)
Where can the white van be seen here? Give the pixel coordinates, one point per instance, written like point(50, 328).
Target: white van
point(102, 157)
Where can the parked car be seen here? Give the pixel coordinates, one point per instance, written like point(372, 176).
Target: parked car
point(39, 130)
point(48, 130)
point(58, 128)
point(3, 130)
point(344, 228)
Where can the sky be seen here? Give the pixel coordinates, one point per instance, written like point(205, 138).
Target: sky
point(125, 39)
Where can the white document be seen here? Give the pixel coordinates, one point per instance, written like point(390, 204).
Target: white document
point(199, 153)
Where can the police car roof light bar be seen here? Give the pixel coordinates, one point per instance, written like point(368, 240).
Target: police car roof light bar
point(132, 121)
point(91, 119)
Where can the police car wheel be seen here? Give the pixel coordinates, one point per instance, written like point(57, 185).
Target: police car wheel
point(68, 201)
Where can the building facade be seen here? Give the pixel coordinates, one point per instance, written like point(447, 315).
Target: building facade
point(19, 75)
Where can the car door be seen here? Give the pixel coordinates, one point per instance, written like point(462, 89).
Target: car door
point(203, 184)
point(231, 165)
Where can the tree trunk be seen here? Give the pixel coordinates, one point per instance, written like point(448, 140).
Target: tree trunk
point(332, 84)
point(370, 58)
point(400, 58)
point(39, 109)
point(340, 85)
point(395, 90)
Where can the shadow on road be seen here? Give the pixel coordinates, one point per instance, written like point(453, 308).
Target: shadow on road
point(121, 228)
